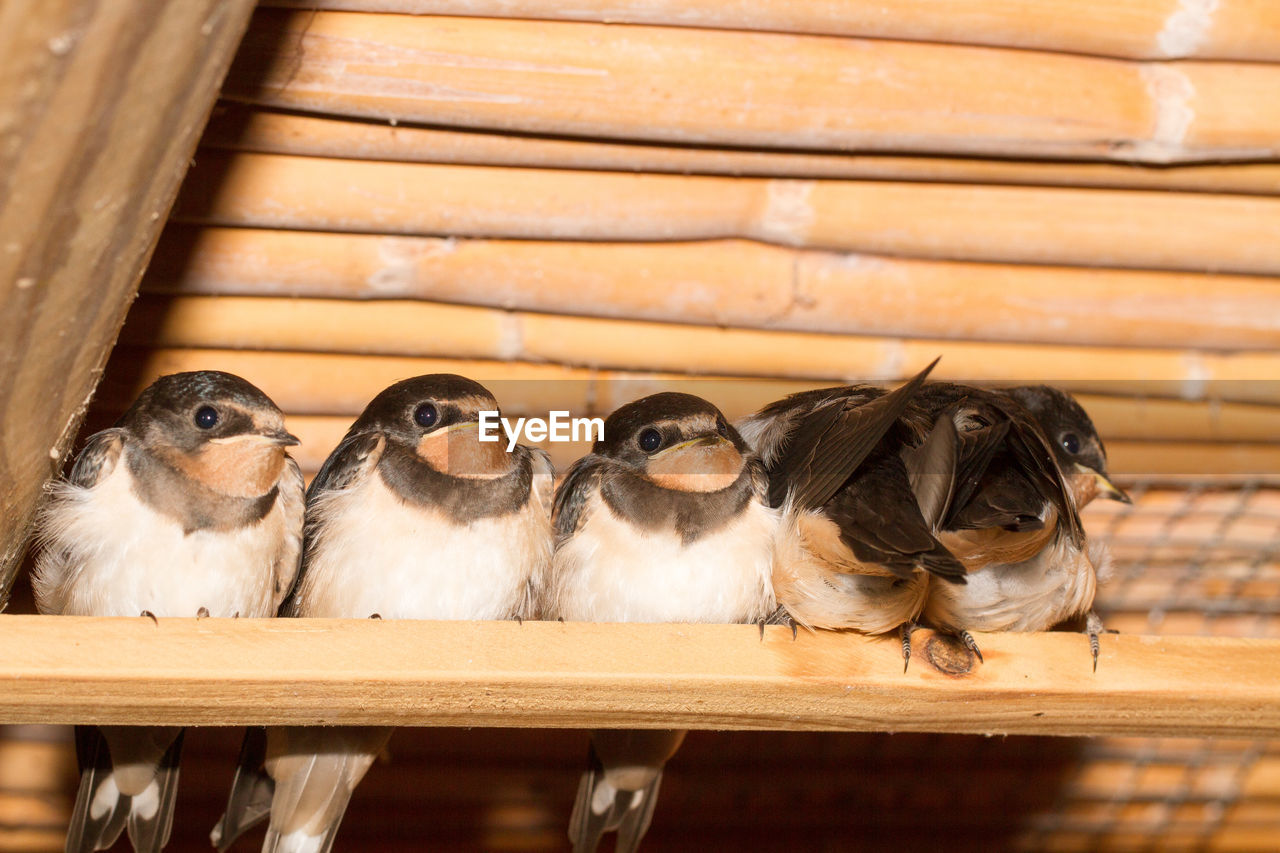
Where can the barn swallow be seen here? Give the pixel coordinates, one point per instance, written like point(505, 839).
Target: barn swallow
point(411, 517)
point(666, 520)
point(1015, 523)
point(188, 506)
point(856, 547)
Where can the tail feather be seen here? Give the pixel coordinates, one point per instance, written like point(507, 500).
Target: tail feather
point(315, 772)
point(249, 802)
point(151, 813)
point(619, 789)
point(100, 812)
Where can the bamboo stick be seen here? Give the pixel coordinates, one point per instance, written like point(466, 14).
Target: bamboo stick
point(100, 109)
point(733, 283)
point(1195, 232)
point(548, 674)
point(430, 330)
point(755, 90)
point(1137, 29)
point(329, 383)
point(242, 128)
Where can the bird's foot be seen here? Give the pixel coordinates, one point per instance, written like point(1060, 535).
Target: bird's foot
point(520, 620)
point(202, 613)
point(905, 630)
point(147, 614)
point(971, 644)
point(1093, 627)
point(375, 615)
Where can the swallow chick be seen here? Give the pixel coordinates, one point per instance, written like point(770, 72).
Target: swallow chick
point(666, 520)
point(411, 517)
point(188, 506)
point(857, 548)
point(1018, 529)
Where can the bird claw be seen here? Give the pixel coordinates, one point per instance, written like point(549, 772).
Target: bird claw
point(202, 613)
point(519, 620)
point(1093, 627)
point(147, 614)
point(375, 616)
point(971, 644)
point(905, 630)
point(760, 625)
point(795, 628)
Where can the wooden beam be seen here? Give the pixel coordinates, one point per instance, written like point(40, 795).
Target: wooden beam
point(100, 108)
point(1196, 232)
point(1138, 29)
point(548, 674)
point(239, 127)
point(755, 90)
point(732, 283)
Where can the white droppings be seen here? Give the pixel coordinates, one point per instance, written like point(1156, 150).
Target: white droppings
point(1197, 377)
point(398, 271)
point(788, 213)
point(54, 454)
point(1187, 29)
point(1171, 92)
point(61, 44)
point(510, 338)
point(25, 282)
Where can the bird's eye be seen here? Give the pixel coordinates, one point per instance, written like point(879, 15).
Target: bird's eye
point(426, 415)
point(1070, 443)
point(650, 440)
point(723, 429)
point(206, 417)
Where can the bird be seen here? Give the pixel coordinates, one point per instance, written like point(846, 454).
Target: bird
point(412, 516)
point(856, 549)
point(665, 520)
point(188, 506)
point(1015, 523)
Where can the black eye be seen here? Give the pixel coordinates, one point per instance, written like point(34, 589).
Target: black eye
point(650, 440)
point(723, 429)
point(206, 417)
point(1070, 443)
point(426, 415)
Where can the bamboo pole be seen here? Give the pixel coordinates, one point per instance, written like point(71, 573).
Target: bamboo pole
point(327, 383)
point(1137, 29)
point(100, 108)
point(242, 128)
point(1195, 232)
point(733, 283)
point(755, 90)
point(549, 674)
point(406, 329)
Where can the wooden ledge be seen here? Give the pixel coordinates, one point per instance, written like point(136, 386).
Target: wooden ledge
point(547, 674)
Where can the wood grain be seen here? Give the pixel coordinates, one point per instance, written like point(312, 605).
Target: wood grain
point(244, 128)
point(732, 283)
point(100, 108)
point(358, 672)
point(757, 90)
point(1196, 232)
point(1139, 29)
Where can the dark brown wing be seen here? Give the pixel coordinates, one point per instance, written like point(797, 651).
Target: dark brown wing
point(829, 444)
point(581, 480)
point(98, 459)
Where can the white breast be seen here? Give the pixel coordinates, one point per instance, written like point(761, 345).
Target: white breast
point(377, 554)
point(612, 571)
point(109, 554)
point(1033, 595)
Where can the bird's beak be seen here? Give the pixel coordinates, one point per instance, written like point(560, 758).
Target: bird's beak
point(1106, 488)
point(712, 439)
point(281, 437)
point(273, 436)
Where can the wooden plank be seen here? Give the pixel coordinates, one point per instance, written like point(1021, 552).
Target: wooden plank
point(100, 108)
point(243, 128)
point(548, 674)
point(1026, 225)
point(755, 90)
point(1138, 29)
point(733, 283)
